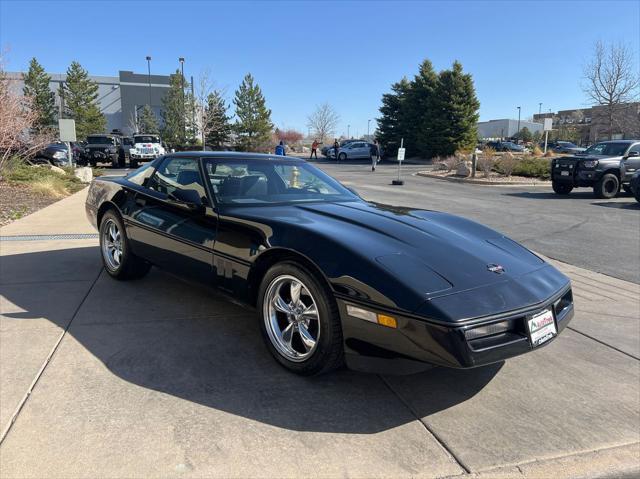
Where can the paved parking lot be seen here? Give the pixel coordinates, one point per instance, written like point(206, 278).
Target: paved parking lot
point(161, 378)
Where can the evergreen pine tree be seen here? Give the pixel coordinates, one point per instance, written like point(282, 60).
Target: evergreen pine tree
point(80, 95)
point(392, 125)
point(420, 110)
point(253, 125)
point(173, 113)
point(36, 87)
point(148, 122)
point(455, 113)
point(217, 126)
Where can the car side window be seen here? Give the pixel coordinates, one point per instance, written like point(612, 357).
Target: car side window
point(635, 147)
point(177, 173)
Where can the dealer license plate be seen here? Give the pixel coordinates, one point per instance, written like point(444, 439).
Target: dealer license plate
point(542, 327)
point(564, 173)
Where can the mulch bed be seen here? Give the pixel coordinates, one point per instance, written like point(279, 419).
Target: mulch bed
point(17, 201)
point(494, 178)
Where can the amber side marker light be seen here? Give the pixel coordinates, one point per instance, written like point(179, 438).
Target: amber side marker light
point(381, 319)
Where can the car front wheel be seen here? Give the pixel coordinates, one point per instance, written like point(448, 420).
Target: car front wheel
point(607, 187)
point(561, 188)
point(300, 321)
point(342, 156)
point(117, 257)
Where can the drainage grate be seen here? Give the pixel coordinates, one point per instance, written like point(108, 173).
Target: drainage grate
point(72, 236)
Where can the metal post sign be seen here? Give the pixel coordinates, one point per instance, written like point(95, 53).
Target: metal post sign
point(67, 130)
point(548, 124)
point(401, 154)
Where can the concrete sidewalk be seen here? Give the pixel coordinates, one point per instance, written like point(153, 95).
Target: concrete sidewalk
point(158, 377)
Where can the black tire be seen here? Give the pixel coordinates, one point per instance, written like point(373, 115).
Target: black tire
point(607, 187)
point(133, 163)
point(128, 265)
point(561, 188)
point(627, 189)
point(93, 163)
point(328, 352)
point(342, 156)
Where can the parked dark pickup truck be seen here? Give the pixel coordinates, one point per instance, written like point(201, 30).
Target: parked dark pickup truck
point(605, 167)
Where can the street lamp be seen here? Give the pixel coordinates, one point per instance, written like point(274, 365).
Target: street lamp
point(149, 78)
point(517, 133)
point(368, 121)
point(539, 109)
point(348, 127)
point(184, 120)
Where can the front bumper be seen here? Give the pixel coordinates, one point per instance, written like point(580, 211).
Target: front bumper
point(141, 156)
point(576, 178)
point(417, 344)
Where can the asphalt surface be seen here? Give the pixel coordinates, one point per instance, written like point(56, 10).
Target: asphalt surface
point(599, 235)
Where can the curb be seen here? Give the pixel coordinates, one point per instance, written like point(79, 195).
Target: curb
point(484, 183)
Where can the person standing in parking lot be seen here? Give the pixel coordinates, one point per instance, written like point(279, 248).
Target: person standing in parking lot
point(314, 149)
point(375, 154)
point(336, 147)
point(280, 149)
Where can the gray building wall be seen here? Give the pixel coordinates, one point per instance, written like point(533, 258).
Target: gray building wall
point(118, 97)
point(505, 128)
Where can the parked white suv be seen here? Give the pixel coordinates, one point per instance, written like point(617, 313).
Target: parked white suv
point(145, 148)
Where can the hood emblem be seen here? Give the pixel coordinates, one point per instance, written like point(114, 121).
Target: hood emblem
point(495, 268)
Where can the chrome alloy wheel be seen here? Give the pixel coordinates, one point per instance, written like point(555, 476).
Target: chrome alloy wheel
point(291, 318)
point(112, 245)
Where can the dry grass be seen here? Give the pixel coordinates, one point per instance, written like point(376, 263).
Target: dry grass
point(51, 187)
point(536, 151)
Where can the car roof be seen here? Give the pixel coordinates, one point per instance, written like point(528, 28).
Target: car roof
point(619, 141)
point(234, 155)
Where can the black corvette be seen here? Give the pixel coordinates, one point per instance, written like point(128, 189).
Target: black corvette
point(334, 278)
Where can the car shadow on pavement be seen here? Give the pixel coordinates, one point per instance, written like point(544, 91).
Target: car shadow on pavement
point(622, 206)
point(187, 341)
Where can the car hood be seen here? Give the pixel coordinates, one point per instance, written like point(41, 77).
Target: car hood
point(432, 253)
point(591, 157)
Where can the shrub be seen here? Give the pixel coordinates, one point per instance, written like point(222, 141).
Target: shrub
point(506, 164)
point(536, 151)
point(451, 162)
point(486, 161)
point(42, 179)
point(533, 168)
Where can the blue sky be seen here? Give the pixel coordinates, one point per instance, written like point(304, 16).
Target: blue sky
point(346, 53)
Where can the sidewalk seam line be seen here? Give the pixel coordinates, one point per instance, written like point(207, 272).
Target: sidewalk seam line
point(46, 362)
point(603, 343)
point(439, 440)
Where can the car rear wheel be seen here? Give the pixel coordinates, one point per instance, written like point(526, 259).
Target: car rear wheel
point(342, 156)
point(300, 321)
point(561, 188)
point(117, 258)
point(607, 187)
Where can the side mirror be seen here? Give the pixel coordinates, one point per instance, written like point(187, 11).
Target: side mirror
point(189, 199)
point(633, 154)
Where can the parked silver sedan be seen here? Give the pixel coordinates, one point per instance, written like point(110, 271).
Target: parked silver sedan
point(356, 149)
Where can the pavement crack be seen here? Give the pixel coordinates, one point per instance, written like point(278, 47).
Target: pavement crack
point(603, 343)
point(46, 362)
point(438, 439)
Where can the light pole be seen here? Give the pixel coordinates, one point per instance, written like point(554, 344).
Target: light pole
point(184, 113)
point(539, 109)
point(368, 121)
point(149, 78)
point(518, 132)
point(348, 127)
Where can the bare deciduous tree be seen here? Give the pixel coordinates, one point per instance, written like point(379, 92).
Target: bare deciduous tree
point(203, 90)
point(18, 135)
point(323, 121)
point(611, 79)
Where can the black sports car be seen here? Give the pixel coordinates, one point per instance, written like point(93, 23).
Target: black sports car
point(334, 278)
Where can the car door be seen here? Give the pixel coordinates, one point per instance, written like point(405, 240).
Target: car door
point(357, 150)
point(170, 232)
point(632, 163)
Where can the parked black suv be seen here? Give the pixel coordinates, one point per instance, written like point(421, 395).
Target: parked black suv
point(104, 149)
point(605, 167)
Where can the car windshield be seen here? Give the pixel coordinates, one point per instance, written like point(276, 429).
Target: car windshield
point(567, 144)
point(100, 140)
point(259, 182)
point(607, 149)
point(146, 139)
